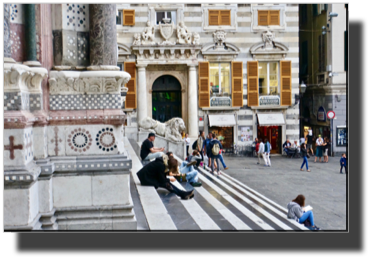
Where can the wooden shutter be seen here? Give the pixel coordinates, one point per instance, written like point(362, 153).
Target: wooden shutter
point(253, 83)
point(274, 17)
point(204, 84)
point(286, 82)
point(263, 17)
point(225, 17)
point(237, 84)
point(213, 17)
point(128, 17)
point(130, 99)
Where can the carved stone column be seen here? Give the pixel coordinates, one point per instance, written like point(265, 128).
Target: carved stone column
point(192, 103)
point(103, 41)
point(7, 39)
point(142, 110)
point(30, 36)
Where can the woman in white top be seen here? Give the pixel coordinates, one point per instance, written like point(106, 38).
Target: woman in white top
point(187, 141)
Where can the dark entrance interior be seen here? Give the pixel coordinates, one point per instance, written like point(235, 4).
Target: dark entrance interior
point(166, 98)
point(273, 134)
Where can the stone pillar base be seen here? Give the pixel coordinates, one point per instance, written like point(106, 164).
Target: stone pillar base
point(32, 63)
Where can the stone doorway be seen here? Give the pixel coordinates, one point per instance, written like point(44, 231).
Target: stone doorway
point(166, 98)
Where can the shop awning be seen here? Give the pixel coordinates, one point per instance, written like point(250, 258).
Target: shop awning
point(271, 119)
point(225, 120)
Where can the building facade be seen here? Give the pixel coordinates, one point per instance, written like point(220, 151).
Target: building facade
point(323, 68)
point(232, 69)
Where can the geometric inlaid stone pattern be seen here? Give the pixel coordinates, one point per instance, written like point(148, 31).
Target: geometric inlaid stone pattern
point(35, 101)
point(75, 17)
point(83, 53)
point(16, 13)
point(79, 139)
point(83, 102)
point(105, 139)
point(12, 101)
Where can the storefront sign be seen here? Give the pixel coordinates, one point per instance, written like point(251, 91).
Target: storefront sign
point(245, 136)
point(269, 100)
point(224, 120)
point(321, 115)
point(220, 101)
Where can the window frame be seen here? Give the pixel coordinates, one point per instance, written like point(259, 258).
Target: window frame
point(255, 17)
point(268, 84)
point(120, 13)
point(153, 8)
point(227, 28)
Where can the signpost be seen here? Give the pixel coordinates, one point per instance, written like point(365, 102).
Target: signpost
point(331, 116)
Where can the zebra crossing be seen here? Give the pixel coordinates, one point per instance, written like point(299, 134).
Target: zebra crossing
point(221, 203)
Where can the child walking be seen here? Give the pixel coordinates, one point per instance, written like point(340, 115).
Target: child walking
point(343, 163)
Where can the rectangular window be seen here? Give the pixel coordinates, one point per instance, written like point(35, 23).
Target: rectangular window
point(119, 17)
point(220, 79)
point(268, 78)
point(268, 17)
point(219, 17)
point(168, 16)
point(128, 17)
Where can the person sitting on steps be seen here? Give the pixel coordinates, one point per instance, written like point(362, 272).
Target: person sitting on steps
point(148, 151)
point(296, 212)
point(196, 156)
point(191, 175)
point(153, 174)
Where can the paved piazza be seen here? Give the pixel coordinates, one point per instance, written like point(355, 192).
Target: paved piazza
point(324, 187)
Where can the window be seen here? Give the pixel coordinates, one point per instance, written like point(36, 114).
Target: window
point(268, 78)
point(160, 15)
point(220, 79)
point(268, 17)
point(128, 17)
point(119, 17)
point(219, 17)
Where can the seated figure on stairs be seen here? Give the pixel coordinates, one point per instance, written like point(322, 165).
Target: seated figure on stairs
point(148, 151)
point(153, 174)
point(186, 170)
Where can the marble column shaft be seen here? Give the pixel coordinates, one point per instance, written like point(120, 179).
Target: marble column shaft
point(192, 103)
point(142, 110)
point(103, 40)
point(7, 40)
point(30, 32)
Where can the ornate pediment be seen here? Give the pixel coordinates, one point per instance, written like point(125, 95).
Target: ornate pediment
point(123, 50)
point(269, 49)
point(220, 50)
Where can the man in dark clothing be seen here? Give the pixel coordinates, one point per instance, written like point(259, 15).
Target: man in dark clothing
point(153, 174)
point(206, 148)
point(309, 144)
point(217, 156)
point(148, 151)
point(343, 163)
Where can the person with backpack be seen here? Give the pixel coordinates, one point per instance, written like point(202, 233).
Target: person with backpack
point(296, 212)
point(267, 148)
point(207, 149)
point(216, 148)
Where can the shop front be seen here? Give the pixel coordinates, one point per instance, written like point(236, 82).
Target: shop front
point(270, 127)
point(223, 126)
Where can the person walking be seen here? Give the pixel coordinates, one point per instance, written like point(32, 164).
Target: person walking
point(200, 141)
point(296, 212)
point(326, 146)
point(309, 145)
point(216, 148)
point(343, 163)
point(255, 147)
point(304, 156)
point(187, 141)
point(267, 148)
point(260, 151)
point(319, 144)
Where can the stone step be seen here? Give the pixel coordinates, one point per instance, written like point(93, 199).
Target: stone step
point(221, 203)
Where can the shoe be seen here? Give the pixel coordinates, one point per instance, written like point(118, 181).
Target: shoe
point(188, 195)
point(301, 169)
point(192, 163)
point(196, 184)
point(226, 168)
point(308, 170)
point(315, 228)
point(219, 172)
point(258, 163)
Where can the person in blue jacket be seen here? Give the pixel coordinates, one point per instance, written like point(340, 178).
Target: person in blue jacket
point(343, 163)
point(218, 156)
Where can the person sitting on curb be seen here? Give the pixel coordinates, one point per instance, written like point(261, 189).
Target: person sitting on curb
point(153, 174)
point(286, 146)
point(148, 151)
point(296, 212)
point(196, 156)
point(183, 173)
point(216, 149)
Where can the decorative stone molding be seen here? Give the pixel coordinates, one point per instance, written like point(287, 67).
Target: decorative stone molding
point(269, 49)
point(178, 54)
point(20, 78)
point(124, 51)
point(220, 50)
point(88, 82)
point(254, 22)
point(166, 31)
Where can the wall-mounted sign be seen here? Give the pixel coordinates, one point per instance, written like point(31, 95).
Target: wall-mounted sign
point(269, 100)
point(245, 134)
point(220, 102)
point(321, 115)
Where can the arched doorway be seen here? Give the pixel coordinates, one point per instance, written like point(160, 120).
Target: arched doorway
point(166, 98)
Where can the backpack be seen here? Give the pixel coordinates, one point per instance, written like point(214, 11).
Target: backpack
point(215, 149)
point(194, 146)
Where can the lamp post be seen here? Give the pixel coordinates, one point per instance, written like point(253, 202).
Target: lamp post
point(302, 91)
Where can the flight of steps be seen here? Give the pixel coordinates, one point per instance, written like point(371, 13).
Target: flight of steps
point(221, 203)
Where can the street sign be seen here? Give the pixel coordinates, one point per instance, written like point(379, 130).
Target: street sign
point(331, 114)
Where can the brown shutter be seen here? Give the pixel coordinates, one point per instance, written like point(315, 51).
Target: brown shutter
point(130, 99)
point(213, 17)
point(237, 84)
point(204, 84)
point(128, 17)
point(225, 17)
point(274, 17)
point(253, 83)
point(263, 17)
point(286, 82)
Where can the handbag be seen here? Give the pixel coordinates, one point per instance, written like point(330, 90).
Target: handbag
point(307, 155)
